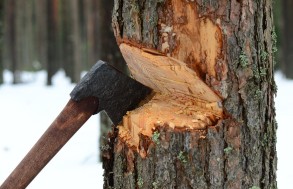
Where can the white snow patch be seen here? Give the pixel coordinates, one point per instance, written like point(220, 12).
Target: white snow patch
point(284, 103)
point(26, 111)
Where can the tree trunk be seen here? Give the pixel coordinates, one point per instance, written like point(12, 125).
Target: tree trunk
point(19, 39)
point(287, 38)
point(26, 35)
point(76, 42)
point(1, 40)
point(53, 48)
point(108, 51)
point(67, 38)
point(10, 37)
point(211, 120)
point(41, 33)
point(91, 27)
point(278, 23)
point(1, 70)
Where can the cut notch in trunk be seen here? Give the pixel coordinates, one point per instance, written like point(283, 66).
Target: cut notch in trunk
point(182, 99)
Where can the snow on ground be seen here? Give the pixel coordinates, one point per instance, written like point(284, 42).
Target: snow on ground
point(26, 110)
point(284, 103)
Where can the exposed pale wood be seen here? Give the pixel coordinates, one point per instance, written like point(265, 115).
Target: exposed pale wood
point(176, 110)
point(182, 99)
point(199, 37)
point(165, 74)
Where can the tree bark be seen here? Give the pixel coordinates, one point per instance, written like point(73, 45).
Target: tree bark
point(212, 62)
point(287, 39)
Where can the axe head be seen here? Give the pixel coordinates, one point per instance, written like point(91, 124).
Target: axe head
point(117, 93)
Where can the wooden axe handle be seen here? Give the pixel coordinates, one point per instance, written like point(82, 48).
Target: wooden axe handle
point(72, 117)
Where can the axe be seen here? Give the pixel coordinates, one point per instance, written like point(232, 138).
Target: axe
point(102, 88)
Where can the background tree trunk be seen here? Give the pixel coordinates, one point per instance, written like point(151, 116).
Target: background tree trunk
point(10, 40)
point(41, 33)
point(108, 51)
point(108, 47)
point(91, 14)
point(67, 38)
point(287, 39)
point(229, 46)
point(19, 40)
point(1, 40)
point(76, 41)
point(53, 48)
point(27, 49)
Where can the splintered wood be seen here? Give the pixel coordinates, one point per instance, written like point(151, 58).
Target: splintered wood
point(182, 100)
point(198, 39)
point(175, 110)
point(165, 74)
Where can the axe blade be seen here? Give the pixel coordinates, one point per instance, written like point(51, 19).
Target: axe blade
point(117, 93)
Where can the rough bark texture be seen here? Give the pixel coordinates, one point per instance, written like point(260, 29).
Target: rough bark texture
point(229, 44)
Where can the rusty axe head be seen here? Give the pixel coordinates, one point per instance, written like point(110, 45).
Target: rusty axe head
point(117, 93)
